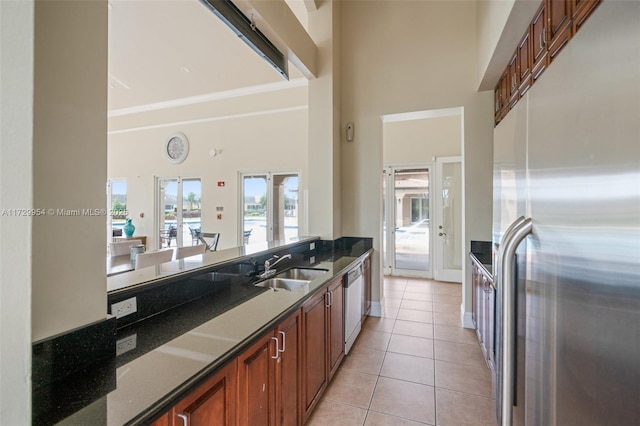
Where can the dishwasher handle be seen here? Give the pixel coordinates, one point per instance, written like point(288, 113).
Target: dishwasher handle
point(353, 275)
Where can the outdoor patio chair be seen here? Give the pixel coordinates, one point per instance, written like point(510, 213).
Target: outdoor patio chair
point(215, 236)
point(195, 235)
point(166, 235)
point(246, 236)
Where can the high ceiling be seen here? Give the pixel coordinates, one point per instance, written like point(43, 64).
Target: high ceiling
point(163, 50)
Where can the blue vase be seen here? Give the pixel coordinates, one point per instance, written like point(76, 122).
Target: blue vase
point(129, 229)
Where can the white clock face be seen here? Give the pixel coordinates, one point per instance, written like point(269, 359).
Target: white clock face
point(177, 148)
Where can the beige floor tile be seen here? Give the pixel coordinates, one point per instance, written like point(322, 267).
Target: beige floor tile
point(417, 305)
point(463, 378)
point(352, 387)
point(454, 334)
point(447, 308)
point(462, 353)
point(379, 419)
point(388, 280)
point(363, 359)
point(393, 294)
point(425, 297)
point(416, 329)
point(374, 340)
point(417, 316)
point(392, 302)
point(409, 345)
point(445, 298)
point(398, 398)
point(327, 411)
point(446, 318)
point(418, 288)
point(409, 368)
point(461, 409)
point(448, 289)
point(389, 312)
point(379, 324)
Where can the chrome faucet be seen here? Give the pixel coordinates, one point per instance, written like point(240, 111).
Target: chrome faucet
point(268, 265)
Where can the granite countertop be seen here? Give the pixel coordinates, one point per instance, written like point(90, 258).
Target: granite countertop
point(180, 347)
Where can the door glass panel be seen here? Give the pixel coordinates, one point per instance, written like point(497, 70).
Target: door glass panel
point(254, 225)
point(191, 211)
point(168, 220)
point(118, 206)
point(285, 207)
point(411, 203)
point(451, 215)
point(384, 220)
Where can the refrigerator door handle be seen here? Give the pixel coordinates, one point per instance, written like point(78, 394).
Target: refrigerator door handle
point(505, 238)
point(507, 286)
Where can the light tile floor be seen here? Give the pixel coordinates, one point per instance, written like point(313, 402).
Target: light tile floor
point(415, 365)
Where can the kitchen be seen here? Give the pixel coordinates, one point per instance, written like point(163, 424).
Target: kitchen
point(331, 214)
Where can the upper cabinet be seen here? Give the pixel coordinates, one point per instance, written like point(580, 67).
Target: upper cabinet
point(550, 29)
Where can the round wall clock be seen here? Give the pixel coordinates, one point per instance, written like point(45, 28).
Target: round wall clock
point(177, 148)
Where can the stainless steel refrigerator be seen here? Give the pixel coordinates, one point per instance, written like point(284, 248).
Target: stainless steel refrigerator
point(566, 234)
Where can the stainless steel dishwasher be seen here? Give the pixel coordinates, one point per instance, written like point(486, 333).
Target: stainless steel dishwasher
point(353, 288)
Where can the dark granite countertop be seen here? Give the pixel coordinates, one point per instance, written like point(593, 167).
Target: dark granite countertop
point(161, 358)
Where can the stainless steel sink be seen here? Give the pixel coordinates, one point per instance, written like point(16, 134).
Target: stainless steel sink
point(285, 284)
point(302, 273)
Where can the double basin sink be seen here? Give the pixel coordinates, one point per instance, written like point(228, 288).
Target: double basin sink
point(293, 279)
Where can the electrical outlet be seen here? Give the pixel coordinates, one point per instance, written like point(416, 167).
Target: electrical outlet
point(312, 246)
point(312, 260)
point(124, 308)
point(127, 344)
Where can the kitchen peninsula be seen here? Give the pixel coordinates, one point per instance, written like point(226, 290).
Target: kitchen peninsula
point(195, 320)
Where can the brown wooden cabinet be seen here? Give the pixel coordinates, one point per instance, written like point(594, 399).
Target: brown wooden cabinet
point(483, 314)
point(551, 28)
point(269, 377)
point(323, 342)
point(559, 25)
point(211, 403)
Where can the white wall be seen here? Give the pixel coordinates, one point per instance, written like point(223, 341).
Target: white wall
point(411, 56)
point(418, 141)
point(273, 140)
point(69, 165)
point(16, 150)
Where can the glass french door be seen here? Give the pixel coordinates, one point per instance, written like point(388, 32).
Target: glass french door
point(448, 240)
point(117, 207)
point(270, 208)
point(406, 221)
point(179, 211)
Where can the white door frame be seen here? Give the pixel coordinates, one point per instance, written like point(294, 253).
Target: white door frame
point(439, 272)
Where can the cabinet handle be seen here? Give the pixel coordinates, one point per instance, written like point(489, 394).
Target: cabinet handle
point(185, 419)
point(543, 38)
point(284, 342)
point(331, 298)
point(276, 356)
point(327, 301)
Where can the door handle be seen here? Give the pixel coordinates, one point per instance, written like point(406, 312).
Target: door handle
point(277, 355)
point(507, 287)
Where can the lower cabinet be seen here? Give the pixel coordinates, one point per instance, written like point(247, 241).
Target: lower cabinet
point(323, 342)
point(212, 403)
point(269, 377)
point(279, 379)
point(484, 313)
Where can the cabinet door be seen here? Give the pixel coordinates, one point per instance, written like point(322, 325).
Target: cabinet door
point(582, 9)
point(288, 371)
point(514, 79)
point(256, 383)
point(366, 273)
point(336, 325)
point(314, 351)
point(524, 62)
point(540, 57)
point(212, 403)
point(559, 17)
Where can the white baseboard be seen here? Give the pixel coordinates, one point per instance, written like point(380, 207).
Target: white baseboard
point(376, 309)
point(467, 321)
